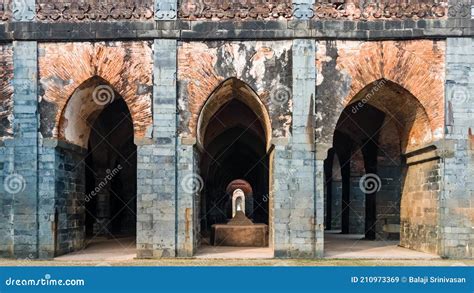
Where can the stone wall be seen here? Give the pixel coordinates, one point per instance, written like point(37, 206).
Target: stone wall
point(303, 84)
point(6, 90)
point(457, 217)
point(420, 202)
point(6, 199)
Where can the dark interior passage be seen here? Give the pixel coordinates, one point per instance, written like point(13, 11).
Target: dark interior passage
point(234, 148)
point(111, 173)
point(369, 169)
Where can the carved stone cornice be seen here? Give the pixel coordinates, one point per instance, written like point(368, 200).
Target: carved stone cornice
point(51, 10)
point(5, 10)
point(350, 9)
point(242, 9)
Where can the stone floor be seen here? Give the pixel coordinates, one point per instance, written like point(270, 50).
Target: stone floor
point(353, 246)
point(103, 249)
point(337, 246)
point(225, 252)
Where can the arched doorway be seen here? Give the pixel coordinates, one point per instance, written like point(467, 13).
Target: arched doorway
point(101, 210)
point(233, 138)
point(374, 134)
point(111, 174)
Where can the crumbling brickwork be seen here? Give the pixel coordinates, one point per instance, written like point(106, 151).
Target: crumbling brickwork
point(203, 66)
point(127, 67)
point(346, 68)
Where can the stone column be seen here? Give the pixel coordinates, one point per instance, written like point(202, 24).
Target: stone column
point(298, 204)
point(101, 226)
point(156, 162)
point(457, 201)
point(189, 186)
point(24, 178)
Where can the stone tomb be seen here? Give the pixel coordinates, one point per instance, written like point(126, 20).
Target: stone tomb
point(240, 230)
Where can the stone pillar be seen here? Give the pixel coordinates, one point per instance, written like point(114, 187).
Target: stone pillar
point(102, 204)
point(166, 9)
point(24, 176)
point(6, 198)
point(457, 201)
point(156, 162)
point(357, 197)
point(189, 187)
point(298, 204)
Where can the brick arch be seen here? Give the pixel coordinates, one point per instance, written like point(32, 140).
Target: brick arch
point(82, 109)
point(416, 66)
point(67, 68)
point(202, 67)
point(415, 129)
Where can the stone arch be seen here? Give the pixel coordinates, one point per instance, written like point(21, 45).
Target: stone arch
point(227, 91)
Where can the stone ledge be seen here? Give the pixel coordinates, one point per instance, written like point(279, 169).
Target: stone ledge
point(225, 30)
point(53, 143)
point(422, 155)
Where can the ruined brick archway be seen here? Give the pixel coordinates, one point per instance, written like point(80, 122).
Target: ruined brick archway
point(82, 109)
point(380, 127)
point(65, 69)
point(410, 116)
point(346, 69)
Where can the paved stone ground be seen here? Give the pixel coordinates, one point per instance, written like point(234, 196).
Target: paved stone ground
point(212, 252)
point(341, 250)
point(118, 249)
point(354, 246)
point(247, 262)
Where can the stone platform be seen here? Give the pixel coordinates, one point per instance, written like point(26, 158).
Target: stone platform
point(254, 235)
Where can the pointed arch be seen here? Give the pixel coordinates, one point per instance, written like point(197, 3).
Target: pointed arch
point(227, 91)
point(66, 68)
point(83, 107)
point(412, 120)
